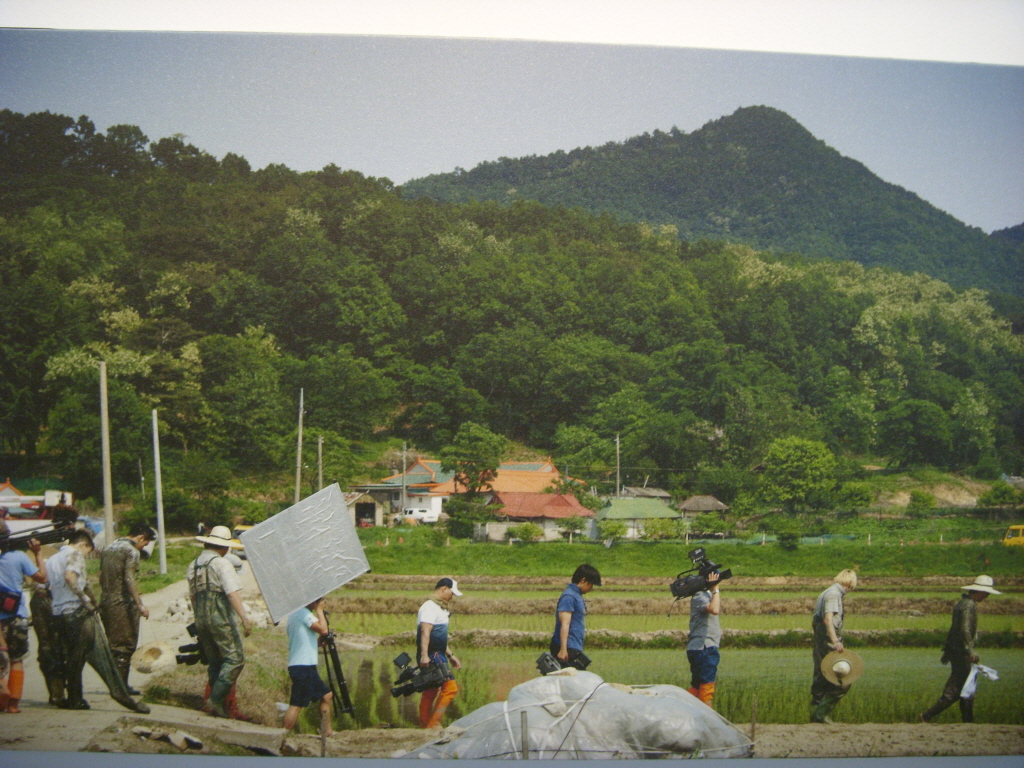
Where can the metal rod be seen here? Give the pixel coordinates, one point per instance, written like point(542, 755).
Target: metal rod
point(298, 453)
point(525, 733)
point(108, 485)
point(159, 486)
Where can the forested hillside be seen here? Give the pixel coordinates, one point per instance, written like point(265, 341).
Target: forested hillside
point(214, 292)
point(756, 177)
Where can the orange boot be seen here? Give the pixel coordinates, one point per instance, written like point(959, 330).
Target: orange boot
point(706, 693)
point(231, 705)
point(693, 691)
point(15, 684)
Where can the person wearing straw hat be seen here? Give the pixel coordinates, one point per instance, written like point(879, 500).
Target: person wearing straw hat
point(121, 605)
point(215, 591)
point(958, 651)
point(827, 625)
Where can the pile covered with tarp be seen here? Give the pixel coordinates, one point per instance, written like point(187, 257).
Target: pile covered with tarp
point(577, 715)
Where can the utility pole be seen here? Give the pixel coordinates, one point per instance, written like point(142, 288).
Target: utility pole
point(108, 486)
point(160, 533)
point(298, 453)
point(320, 462)
point(402, 510)
point(618, 468)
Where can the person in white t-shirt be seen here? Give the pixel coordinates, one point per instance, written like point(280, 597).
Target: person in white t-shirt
point(432, 641)
point(305, 628)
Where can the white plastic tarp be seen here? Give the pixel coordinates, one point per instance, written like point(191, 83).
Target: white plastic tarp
point(579, 716)
point(304, 552)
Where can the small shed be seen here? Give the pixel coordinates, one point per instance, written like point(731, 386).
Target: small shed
point(634, 512)
point(696, 505)
point(365, 510)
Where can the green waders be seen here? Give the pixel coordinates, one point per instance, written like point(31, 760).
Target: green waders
point(219, 634)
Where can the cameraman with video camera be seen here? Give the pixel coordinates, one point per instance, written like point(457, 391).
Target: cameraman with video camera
point(705, 637)
point(431, 643)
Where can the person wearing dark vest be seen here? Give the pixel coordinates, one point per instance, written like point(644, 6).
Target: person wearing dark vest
point(431, 644)
point(221, 620)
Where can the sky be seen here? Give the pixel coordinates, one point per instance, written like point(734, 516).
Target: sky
point(404, 107)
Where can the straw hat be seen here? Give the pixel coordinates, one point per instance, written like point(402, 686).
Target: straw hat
point(154, 657)
point(983, 584)
point(842, 668)
point(220, 536)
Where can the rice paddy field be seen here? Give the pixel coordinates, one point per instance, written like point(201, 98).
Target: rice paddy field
point(895, 624)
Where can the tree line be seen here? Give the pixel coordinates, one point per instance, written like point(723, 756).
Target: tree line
point(215, 292)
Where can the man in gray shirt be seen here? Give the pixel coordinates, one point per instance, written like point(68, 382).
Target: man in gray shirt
point(705, 637)
point(827, 625)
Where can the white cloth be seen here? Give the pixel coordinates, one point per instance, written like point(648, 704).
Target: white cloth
point(971, 685)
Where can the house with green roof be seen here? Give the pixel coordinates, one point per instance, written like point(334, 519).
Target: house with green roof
point(635, 512)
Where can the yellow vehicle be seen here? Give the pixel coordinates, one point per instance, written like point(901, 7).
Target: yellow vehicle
point(236, 535)
point(1014, 536)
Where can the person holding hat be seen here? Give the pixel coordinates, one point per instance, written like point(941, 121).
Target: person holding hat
point(214, 589)
point(432, 643)
point(121, 604)
point(827, 626)
point(570, 613)
point(958, 651)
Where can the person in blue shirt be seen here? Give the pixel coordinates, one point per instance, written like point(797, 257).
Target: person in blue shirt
point(15, 565)
point(567, 640)
point(305, 628)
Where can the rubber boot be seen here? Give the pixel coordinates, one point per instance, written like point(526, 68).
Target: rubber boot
point(966, 706)
point(231, 705)
point(706, 693)
point(693, 691)
point(16, 685)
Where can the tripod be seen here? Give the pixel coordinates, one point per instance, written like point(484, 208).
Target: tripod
point(335, 677)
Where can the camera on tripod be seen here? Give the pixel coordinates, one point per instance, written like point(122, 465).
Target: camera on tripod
point(697, 579)
point(415, 679)
point(192, 653)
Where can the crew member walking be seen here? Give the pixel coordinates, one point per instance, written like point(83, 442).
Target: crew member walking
point(827, 625)
point(432, 643)
point(221, 619)
point(705, 637)
point(570, 616)
point(120, 602)
point(958, 651)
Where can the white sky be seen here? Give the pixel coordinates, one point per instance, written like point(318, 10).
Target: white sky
point(412, 88)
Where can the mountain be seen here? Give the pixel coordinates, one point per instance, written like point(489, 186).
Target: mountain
point(756, 176)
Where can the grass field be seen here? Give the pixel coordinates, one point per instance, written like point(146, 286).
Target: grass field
point(897, 684)
point(389, 624)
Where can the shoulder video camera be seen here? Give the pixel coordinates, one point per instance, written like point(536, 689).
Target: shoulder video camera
point(416, 679)
point(690, 582)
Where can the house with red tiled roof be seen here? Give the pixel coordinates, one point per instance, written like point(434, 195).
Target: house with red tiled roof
point(548, 510)
point(426, 486)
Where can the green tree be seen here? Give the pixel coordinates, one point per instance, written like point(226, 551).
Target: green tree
point(474, 456)
point(524, 532)
point(916, 432)
point(797, 472)
point(574, 525)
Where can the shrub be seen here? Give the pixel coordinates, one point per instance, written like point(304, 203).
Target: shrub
point(611, 529)
point(525, 532)
point(1000, 494)
point(920, 503)
point(659, 528)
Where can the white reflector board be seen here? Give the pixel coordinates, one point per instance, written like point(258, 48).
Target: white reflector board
point(304, 552)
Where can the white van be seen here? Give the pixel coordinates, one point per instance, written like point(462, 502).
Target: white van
point(421, 515)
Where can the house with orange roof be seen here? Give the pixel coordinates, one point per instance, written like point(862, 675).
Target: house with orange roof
point(426, 486)
point(547, 510)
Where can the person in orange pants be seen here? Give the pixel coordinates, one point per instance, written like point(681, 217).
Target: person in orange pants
point(15, 565)
point(432, 641)
point(705, 637)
